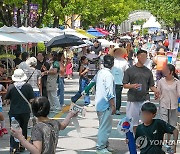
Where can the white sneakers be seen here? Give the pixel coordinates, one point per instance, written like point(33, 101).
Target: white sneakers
point(103, 151)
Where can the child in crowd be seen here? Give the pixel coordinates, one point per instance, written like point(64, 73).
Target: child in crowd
point(3, 130)
point(44, 134)
point(152, 131)
point(69, 68)
point(161, 61)
point(169, 88)
point(83, 81)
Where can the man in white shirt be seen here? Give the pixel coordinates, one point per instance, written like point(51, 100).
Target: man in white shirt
point(120, 66)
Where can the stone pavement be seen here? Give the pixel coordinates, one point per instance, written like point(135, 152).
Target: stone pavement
point(70, 142)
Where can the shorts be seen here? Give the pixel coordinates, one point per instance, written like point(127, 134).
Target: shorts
point(133, 110)
point(169, 115)
point(1, 109)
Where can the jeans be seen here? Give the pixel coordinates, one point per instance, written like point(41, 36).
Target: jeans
point(83, 82)
point(105, 127)
point(118, 90)
point(159, 75)
point(60, 91)
point(23, 122)
point(36, 93)
point(54, 101)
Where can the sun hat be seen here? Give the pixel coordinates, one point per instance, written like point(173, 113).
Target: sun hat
point(19, 75)
point(32, 61)
point(122, 50)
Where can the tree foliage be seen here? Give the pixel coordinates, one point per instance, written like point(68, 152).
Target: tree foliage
point(92, 12)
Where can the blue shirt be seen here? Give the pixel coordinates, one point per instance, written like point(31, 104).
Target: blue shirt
point(105, 89)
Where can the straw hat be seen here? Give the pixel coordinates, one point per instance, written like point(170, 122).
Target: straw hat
point(19, 75)
point(32, 61)
point(123, 51)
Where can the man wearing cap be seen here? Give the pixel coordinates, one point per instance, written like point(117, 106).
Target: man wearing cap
point(34, 76)
point(19, 108)
point(105, 104)
point(120, 66)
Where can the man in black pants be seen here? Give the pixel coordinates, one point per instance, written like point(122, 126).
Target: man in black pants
point(43, 66)
point(120, 66)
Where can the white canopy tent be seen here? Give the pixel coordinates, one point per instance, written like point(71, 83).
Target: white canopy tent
point(16, 33)
point(152, 23)
point(36, 34)
point(6, 39)
point(51, 32)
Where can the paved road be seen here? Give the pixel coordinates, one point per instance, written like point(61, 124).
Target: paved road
point(70, 142)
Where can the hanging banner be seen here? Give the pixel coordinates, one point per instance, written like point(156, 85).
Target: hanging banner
point(175, 51)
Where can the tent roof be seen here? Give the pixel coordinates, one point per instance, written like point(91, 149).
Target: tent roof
point(7, 39)
point(11, 29)
point(151, 23)
point(52, 30)
point(35, 34)
point(94, 32)
point(81, 31)
point(103, 31)
point(74, 32)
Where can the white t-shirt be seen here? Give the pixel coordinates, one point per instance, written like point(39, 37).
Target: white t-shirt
point(149, 63)
point(23, 66)
point(120, 66)
point(1, 86)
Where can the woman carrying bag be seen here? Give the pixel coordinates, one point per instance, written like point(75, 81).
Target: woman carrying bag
point(19, 107)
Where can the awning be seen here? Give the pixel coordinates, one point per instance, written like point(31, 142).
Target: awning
point(103, 31)
point(94, 32)
point(81, 31)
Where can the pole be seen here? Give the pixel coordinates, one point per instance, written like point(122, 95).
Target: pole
point(26, 15)
point(35, 50)
point(7, 62)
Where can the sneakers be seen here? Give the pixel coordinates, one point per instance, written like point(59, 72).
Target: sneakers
point(89, 105)
point(4, 130)
point(110, 149)
point(117, 112)
point(103, 151)
point(14, 151)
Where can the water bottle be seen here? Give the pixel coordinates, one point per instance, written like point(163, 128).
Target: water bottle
point(15, 125)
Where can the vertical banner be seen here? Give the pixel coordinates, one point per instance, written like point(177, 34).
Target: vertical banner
point(33, 14)
point(175, 51)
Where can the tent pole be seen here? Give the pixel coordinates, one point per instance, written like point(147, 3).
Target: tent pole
point(7, 61)
point(46, 50)
point(35, 51)
point(26, 47)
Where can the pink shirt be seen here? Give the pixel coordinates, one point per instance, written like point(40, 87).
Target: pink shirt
point(169, 93)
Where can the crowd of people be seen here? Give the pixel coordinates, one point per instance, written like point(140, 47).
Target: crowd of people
point(38, 85)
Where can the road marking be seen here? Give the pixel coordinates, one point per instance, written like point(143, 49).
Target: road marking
point(65, 109)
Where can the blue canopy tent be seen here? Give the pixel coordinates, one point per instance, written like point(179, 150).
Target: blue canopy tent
point(94, 32)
